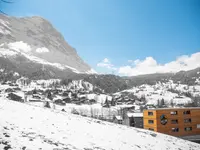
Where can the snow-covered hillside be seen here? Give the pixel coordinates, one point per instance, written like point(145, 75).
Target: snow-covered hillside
point(23, 49)
point(80, 84)
point(159, 91)
point(27, 127)
point(4, 29)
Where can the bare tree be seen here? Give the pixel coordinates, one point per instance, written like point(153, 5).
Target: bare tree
point(4, 1)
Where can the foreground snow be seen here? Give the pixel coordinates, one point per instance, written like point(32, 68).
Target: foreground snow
point(30, 127)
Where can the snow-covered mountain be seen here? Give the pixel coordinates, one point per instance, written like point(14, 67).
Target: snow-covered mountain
point(30, 44)
point(32, 47)
point(27, 127)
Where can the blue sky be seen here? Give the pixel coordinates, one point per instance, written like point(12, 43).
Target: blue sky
point(152, 32)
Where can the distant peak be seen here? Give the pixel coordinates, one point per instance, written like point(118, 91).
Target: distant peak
point(35, 18)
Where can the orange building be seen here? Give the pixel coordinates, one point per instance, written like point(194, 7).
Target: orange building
point(173, 121)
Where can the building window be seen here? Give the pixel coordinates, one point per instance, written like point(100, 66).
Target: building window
point(175, 121)
point(186, 112)
point(198, 126)
point(150, 121)
point(188, 129)
point(174, 112)
point(151, 129)
point(175, 129)
point(150, 113)
point(120, 121)
point(188, 120)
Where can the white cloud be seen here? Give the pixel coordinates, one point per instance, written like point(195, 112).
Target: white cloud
point(106, 60)
point(130, 61)
point(42, 50)
point(105, 63)
point(20, 46)
point(149, 65)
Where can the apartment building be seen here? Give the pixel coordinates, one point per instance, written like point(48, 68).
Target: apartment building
point(173, 121)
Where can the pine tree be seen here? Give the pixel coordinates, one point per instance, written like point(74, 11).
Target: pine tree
point(113, 102)
point(162, 103)
point(107, 103)
point(158, 103)
point(47, 104)
point(172, 103)
point(196, 101)
point(34, 91)
point(143, 99)
point(49, 95)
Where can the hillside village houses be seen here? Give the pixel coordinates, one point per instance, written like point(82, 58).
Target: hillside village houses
point(122, 109)
point(84, 101)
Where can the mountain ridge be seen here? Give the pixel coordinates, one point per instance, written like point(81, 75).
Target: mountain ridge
point(35, 36)
point(32, 47)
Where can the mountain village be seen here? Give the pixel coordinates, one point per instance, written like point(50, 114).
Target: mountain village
point(51, 99)
point(79, 97)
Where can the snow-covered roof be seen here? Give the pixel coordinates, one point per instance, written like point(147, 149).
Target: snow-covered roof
point(118, 117)
point(135, 114)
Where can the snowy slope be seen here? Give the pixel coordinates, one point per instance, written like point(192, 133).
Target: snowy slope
point(27, 127)
point(4, 29)
point(80, 84)
point(23, 49)
point(160, 90)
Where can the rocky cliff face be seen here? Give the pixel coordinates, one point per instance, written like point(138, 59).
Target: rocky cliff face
point(33, 43)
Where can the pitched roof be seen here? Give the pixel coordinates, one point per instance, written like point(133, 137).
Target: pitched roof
point(135, 114)
point(118, 117)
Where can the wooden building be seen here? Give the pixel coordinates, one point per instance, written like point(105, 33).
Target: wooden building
point(118, 119)
point(135, 120)
point(173, 121)
point(130, 119)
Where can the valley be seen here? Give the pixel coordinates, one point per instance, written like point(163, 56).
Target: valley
point(51, 99)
